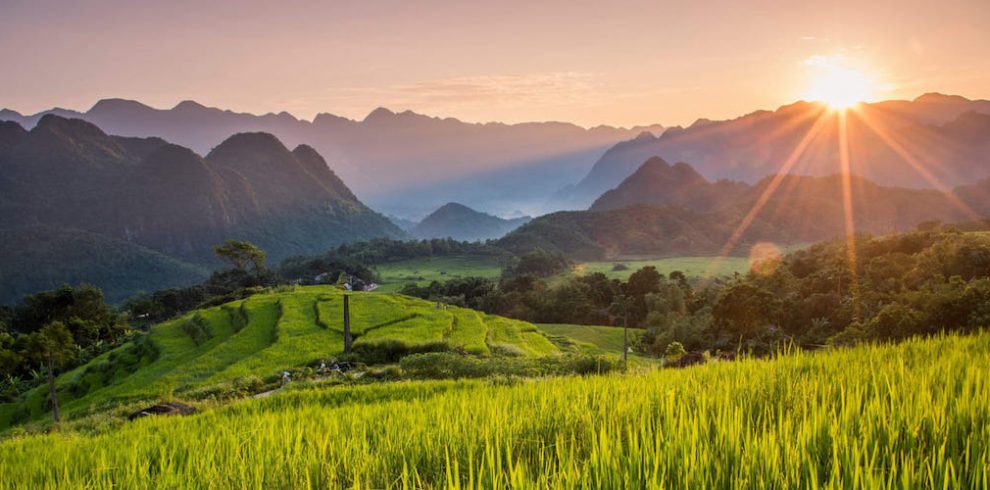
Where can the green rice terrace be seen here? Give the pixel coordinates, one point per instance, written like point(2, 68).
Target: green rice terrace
point(911, 415)
point(254, 340)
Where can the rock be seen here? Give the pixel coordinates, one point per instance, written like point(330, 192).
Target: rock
point(170, 408)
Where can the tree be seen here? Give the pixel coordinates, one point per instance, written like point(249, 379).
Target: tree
point(539, 263)
point(240, 254)
point(81, 309)
point(52, 346)
point(744, 308)
point(644, 281)
point(674, 351)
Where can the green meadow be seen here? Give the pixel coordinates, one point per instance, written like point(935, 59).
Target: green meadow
point(422, 271)
point(592, 338)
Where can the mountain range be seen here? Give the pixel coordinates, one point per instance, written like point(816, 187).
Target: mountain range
point(457, 221)
point(71, 185)
point(405, 164)
point(933, 141)
point(664, 209)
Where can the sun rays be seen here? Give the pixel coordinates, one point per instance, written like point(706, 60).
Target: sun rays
point(812, 148)
point(847, 209)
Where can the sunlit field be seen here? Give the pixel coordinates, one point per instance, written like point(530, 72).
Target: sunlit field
point(914, 415)
point(422, 271)
point(598, 339)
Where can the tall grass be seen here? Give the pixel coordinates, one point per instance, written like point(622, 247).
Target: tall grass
point(518, 336)
point(915, 415)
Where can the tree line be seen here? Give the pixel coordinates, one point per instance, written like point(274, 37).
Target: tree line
point(917, 283)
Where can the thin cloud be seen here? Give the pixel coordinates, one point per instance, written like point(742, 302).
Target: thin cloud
point(461, 94)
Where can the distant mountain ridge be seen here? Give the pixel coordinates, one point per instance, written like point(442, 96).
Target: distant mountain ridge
point(658, 183)
point(649, 215)
point(947, 135)
point(67, 174)
point(457, 221)
point(402, 163)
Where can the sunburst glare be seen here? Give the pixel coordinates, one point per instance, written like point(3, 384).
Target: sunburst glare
point(837, 83)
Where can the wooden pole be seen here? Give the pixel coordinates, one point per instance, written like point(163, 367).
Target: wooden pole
point(347, 325)
point(625, 339)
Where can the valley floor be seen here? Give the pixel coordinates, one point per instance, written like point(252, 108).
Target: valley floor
point(913, 415)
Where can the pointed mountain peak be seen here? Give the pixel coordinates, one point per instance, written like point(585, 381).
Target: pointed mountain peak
point(257, 143)
point(657, 168)
point(645, 136)
point(655, 162)
point(10, 114)
point(306, 151)
point(453, 209)
point(189, 105)
point(460, 222)
point(379, 114)
point(317, 167)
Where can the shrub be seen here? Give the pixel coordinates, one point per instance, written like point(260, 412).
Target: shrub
point(439, 365)
point(507, 350)
point(587, 364)
point(197, 329)
point(391, 351)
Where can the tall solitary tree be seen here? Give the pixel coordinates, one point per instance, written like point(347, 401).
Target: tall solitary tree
point(240, 254)
point(53, 346)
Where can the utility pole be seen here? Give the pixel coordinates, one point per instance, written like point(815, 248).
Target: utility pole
point(621, 305)
point(347, 325)
point(625, 336)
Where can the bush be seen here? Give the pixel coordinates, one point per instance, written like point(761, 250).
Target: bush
point(391, 351)
point(388, 373)
point(507, 350)
point(197, 330)
point(586, 364)
point(439, 365)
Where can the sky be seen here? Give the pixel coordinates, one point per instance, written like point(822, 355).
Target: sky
point(587, 62)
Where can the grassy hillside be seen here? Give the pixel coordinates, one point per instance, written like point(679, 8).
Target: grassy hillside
point(912, 415)
point(265, 334)
point(592, 338)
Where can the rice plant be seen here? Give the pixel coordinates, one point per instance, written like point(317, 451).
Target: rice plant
point(915, 415)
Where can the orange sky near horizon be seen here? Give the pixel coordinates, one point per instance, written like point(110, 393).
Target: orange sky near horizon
point(588, 62)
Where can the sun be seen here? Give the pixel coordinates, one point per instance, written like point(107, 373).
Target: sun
point(836, 83)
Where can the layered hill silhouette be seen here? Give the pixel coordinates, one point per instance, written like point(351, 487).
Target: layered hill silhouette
point(948, 137)
point(457, 221)
point(672, 210)
point(165, 203)
point(658, 183)
point(402, 163)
